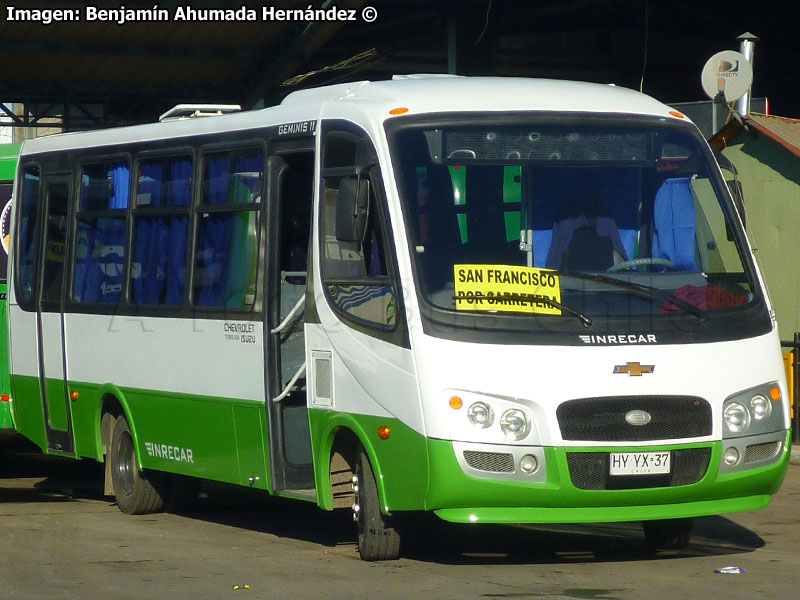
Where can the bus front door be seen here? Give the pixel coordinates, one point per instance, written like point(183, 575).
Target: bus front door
point(50, 318)
point(290, 174)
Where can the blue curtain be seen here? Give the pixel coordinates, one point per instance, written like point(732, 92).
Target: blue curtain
point(150, 179)
point(218, 180)
point(176, 260)
point(179, 188)
point(160, 242)
point(674, 235)
point(120, 182)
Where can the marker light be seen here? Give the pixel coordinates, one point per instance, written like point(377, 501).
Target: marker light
point(731, 456)
point(456, 403)
point(5, 398)
point(400, 110)
point(760, 407)
point(675, 113)
point(73, 396)
point(737, 417)
point(480, 414)
point(384, 432)
point(775, 393)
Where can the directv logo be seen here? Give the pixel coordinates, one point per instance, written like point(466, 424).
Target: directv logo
point(727, 69)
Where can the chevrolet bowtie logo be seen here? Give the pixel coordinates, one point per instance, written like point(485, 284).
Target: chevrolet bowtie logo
point(634, 369)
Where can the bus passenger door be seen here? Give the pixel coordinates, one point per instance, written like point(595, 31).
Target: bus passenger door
point(50, 317)
point(290, 170)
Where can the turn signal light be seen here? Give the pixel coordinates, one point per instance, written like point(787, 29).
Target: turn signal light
point(384, 432)
point(456, 403)
point(400, 110)
point(675, 113)
point(74, 396)
point(775, 393)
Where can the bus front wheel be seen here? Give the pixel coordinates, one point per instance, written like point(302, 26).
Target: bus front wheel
point(378, 538)
point(137, 493)
point(669, 534)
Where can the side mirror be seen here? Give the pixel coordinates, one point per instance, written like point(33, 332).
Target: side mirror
point(352, 209)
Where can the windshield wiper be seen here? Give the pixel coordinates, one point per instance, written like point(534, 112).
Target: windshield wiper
point(585, 319)
point(645, 291)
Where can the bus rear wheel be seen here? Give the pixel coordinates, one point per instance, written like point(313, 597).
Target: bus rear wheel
point(378, 537)
point(669, 534)
point(137, 492)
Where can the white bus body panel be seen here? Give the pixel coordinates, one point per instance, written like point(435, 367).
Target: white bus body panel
point(190, 356)
point(24, 340)
point(541, 378)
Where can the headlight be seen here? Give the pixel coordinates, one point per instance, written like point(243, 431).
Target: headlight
point(515, 424)
point(480, 414)
point(761, 407)
point(737, 417)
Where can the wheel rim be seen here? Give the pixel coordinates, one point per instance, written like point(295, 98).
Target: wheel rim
point(125, 466)
point(356, 499)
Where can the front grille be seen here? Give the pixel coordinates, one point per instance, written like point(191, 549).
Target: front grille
point(589, 471)
point(496, 462)
point(603, 419)
point(760, 452)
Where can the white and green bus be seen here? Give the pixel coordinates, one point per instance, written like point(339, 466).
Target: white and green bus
point(497, 300)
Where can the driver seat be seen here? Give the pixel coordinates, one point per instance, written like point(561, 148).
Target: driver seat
point(588, 250)
point(585, 238)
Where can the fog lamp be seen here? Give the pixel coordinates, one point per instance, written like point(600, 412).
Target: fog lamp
point(528, 464)
point(731, 456)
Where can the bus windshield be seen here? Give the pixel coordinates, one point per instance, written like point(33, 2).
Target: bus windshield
point(584, 219)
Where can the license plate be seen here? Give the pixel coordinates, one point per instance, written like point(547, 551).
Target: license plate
point(639, 463)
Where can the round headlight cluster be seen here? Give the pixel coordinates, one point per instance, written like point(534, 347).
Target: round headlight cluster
point(737, 417)
point(480, 414)
point(745, 411)
point(515, 424)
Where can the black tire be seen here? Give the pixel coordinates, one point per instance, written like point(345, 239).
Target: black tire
point(669, 534)
point(378, 537)
point(137, 492)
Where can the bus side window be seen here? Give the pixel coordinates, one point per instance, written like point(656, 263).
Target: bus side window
point(100, 243)
point(226, 249)
point(27, 238)
point(354, 267)
point(158, 270)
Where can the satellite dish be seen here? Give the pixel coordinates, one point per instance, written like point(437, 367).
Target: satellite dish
point(727, 72)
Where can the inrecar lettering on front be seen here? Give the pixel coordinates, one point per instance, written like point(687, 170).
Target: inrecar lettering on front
point(505, 288)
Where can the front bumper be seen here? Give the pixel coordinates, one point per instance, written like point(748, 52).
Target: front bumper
point(458, 496)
